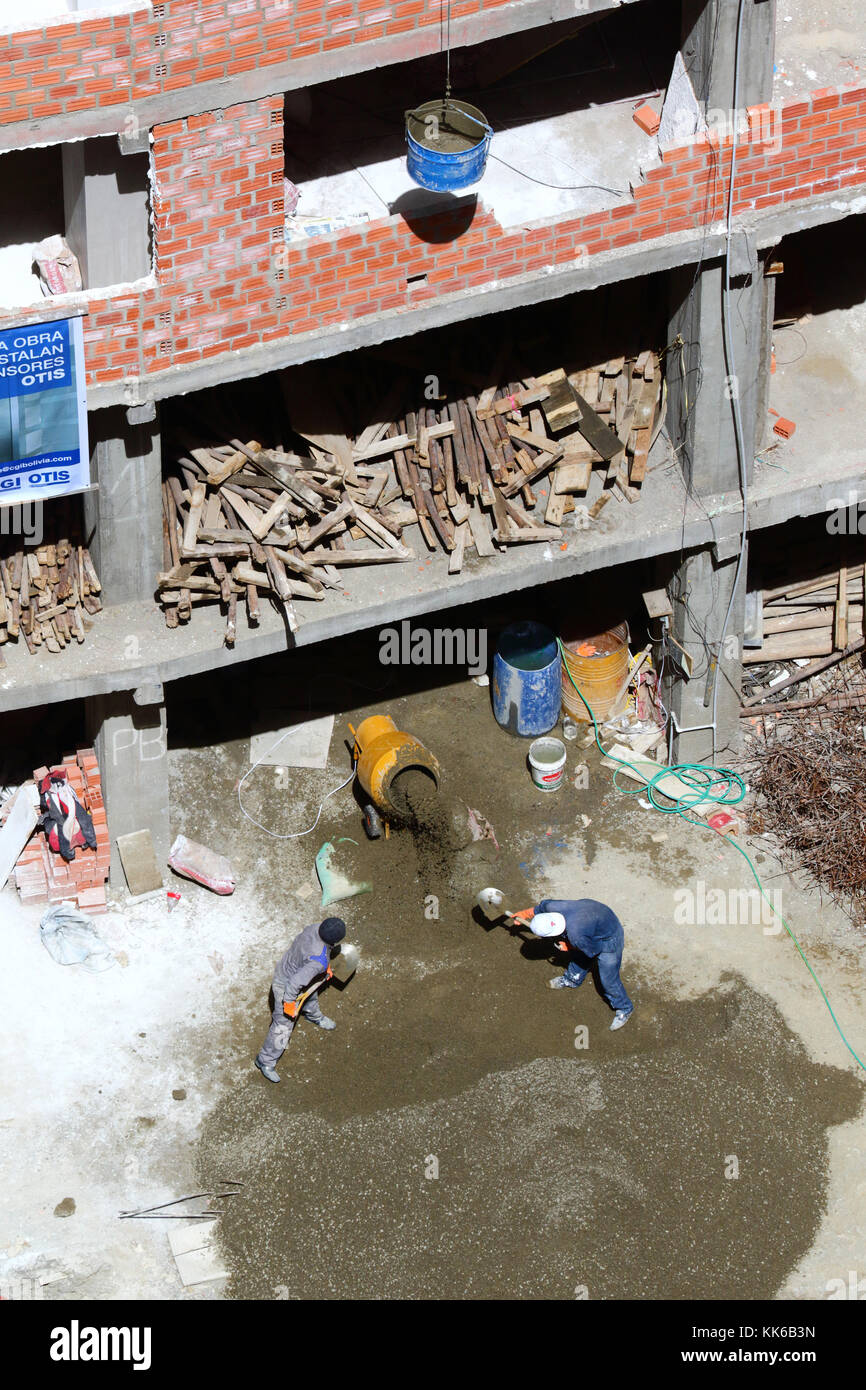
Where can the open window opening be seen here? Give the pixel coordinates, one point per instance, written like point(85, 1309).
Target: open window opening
point(81, 220)
point(560, 101)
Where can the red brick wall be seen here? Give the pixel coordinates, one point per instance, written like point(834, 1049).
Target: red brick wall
point(227, 281)
point(116, 60)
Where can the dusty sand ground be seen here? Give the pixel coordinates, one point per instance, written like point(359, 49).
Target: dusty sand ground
point(450, 1138)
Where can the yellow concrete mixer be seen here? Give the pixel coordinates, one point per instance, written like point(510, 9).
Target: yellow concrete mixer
point(382, 754)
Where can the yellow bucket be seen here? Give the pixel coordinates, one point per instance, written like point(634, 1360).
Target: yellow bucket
point(599, 666)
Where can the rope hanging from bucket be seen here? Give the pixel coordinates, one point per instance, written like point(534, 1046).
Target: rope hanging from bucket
point(447, 59)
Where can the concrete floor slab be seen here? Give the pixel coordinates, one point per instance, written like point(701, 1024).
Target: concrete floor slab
point(558, 1168)
point(819, 43)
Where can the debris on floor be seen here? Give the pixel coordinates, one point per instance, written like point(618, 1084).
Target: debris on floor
point(138, 857)
point(42, 875)
point(197, 1254)
point(291, 740)
point(71, 939)
point(203, 865)
point(335, 867)
point(57, 266)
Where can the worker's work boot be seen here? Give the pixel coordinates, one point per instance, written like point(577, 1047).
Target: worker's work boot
point(326, 1023)
point(563, 982)
point(267, 1071)
point(620, 1019)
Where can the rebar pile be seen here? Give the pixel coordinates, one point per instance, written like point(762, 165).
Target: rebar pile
point(810, 786)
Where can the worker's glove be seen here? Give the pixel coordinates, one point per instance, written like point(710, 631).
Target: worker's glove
point(290, 1008)
point(328, 973)
point(526, 914)
point(561, 945)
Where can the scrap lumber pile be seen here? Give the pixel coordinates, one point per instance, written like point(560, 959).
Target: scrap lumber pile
point(814, 617)
point(48, 596)
point(41, 876)
point(242, 521)
point(808, 622)
point(810, 784)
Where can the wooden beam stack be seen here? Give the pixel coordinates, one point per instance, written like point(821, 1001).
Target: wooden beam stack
point(241, 521)
point(48, 595)
point(814, 617)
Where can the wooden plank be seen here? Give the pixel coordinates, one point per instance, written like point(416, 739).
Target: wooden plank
point(455, 561)
point(536, 441)
point(480, 533)
point(572, 476)
point(840, 627)
point(554, 512)
point(385, 446)
point(328, 522)
point(596, 432)
point(190, 530)
point(561, 410)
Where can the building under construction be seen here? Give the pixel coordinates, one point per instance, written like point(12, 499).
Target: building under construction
point(326, 324)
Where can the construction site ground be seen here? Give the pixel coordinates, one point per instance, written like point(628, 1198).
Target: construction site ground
point(452, 1138)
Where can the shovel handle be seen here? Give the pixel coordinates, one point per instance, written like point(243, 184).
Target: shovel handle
point(292, 1007)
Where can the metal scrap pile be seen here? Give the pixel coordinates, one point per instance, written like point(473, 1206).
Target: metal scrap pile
point(810, 786)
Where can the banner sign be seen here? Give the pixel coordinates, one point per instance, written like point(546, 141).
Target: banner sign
point(43, 412)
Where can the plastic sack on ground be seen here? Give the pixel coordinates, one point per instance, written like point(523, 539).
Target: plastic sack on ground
point(71, 939)
point(202, 865)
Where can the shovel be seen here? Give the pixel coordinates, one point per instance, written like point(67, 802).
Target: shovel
point(343, 968)
point(492, 904)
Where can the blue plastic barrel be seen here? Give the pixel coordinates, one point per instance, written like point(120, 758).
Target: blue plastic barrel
point(447, 143)
point(527, 680)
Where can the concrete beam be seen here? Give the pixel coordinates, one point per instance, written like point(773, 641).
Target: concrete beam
point(646, 258)
point(125, 513)
point(666, 526)
point(195, 97)
point(132, 748)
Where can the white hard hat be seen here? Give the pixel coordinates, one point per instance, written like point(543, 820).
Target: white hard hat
point(548, 924)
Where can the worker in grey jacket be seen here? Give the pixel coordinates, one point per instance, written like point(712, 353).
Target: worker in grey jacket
point(308, 957)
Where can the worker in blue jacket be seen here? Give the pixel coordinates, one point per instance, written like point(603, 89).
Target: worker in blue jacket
point(589, 931)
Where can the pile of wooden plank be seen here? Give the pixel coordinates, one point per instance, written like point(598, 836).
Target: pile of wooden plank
point(48, 595)
point(814, 617)
point(242, 520)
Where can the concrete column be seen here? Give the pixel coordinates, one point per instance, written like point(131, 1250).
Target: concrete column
point(708, 47)
point(700, 594)
point(700, 418)
point(132, 748)
point(105, 196)
point(125, 515)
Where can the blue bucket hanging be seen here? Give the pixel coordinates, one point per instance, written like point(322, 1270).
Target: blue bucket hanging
point(527, 680)
point(447, 141)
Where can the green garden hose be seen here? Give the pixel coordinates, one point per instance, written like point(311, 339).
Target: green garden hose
point(720, 785)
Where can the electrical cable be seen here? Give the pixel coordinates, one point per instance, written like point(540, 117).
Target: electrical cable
point(294, 834)
point(561, 187)
point(704, 780)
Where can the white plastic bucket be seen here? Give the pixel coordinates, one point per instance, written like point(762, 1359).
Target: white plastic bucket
point(547, 763)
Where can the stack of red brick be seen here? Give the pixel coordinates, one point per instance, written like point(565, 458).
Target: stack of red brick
point(42, 876)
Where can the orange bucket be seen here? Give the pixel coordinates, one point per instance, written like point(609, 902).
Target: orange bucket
point(599, 666)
